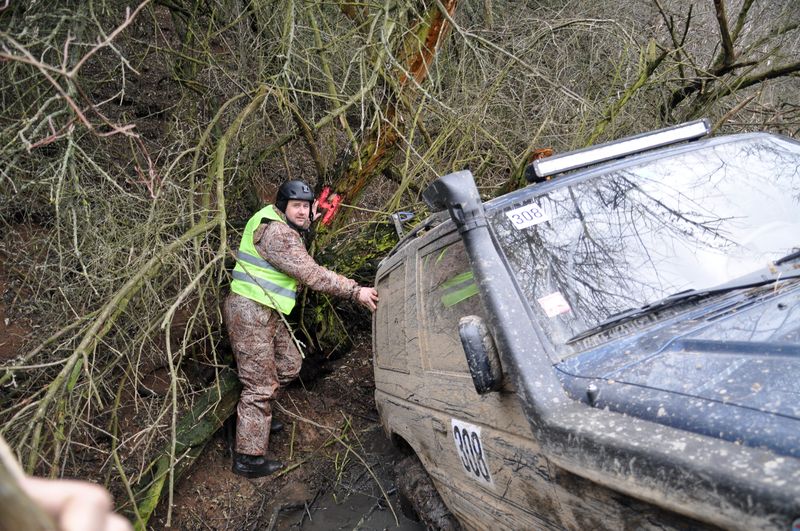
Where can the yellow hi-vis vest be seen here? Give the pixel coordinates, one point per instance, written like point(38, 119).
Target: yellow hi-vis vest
point(254, 277)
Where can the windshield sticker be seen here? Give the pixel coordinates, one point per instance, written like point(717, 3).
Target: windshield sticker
point(554, 304)
point(470, 450)
point(527, 216)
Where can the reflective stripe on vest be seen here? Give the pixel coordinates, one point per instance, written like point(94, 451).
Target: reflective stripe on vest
point(257, 279)
point(266, 285)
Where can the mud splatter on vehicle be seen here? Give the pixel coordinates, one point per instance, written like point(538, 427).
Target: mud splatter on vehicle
point(616, 345)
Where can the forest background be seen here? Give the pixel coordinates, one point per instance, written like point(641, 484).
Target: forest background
point(136, 140)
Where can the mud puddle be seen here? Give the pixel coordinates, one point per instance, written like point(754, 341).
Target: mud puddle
point(356, 497)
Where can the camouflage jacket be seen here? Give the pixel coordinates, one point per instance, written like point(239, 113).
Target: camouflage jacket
point(283, 247)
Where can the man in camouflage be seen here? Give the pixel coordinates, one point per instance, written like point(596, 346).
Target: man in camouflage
point(272, 260)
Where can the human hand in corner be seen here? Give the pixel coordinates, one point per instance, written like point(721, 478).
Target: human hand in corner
point(71, 505)
point(75, 505)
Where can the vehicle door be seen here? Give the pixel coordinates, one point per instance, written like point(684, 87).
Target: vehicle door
point(485, 457)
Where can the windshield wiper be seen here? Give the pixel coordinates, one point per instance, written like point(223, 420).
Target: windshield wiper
point(788, 258)
point(749, 281)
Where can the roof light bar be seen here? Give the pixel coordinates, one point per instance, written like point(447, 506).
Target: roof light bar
point(620, 148)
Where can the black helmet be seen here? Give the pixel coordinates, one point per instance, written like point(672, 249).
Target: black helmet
point(293, 190)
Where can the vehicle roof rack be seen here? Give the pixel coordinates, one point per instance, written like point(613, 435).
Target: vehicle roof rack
point(616, 149)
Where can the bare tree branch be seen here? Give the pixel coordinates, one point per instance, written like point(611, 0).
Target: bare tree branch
point(728, 54)
point(741, 19)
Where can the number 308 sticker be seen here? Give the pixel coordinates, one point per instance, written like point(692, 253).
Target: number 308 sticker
point(467, 438)
point(527, 216)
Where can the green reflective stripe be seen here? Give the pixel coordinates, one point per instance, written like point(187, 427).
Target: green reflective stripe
point(266, 285)
point(458, 279)
point(259, 262)
point(461, 294)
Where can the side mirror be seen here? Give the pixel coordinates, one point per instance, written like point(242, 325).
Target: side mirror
point(482, 357)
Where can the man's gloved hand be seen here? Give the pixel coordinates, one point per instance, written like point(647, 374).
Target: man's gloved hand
point(368, 297)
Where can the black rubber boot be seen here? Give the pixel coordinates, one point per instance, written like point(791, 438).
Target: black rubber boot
point(254, 466)
point(276, 426)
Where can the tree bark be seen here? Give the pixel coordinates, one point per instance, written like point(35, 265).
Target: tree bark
point(415, 53)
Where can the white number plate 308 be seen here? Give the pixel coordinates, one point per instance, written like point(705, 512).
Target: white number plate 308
point(527, 216)
point(469, 447)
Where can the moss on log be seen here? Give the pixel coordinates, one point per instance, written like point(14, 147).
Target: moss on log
point(194, 430)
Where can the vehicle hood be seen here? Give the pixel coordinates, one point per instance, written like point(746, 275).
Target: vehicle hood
point(741, 351)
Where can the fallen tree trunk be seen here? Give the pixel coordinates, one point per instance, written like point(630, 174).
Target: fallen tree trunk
point(415, 53)
point(194, 430)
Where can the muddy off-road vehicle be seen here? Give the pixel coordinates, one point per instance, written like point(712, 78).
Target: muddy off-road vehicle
point(615, 346)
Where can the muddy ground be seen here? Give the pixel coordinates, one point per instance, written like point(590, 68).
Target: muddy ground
point(339, 464)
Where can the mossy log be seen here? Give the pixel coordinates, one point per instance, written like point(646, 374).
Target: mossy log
point(194, 430)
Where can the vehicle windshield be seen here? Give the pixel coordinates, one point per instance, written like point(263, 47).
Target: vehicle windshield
point(632, 236)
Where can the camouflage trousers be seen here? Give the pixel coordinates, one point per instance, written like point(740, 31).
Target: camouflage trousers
point(267, 359)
